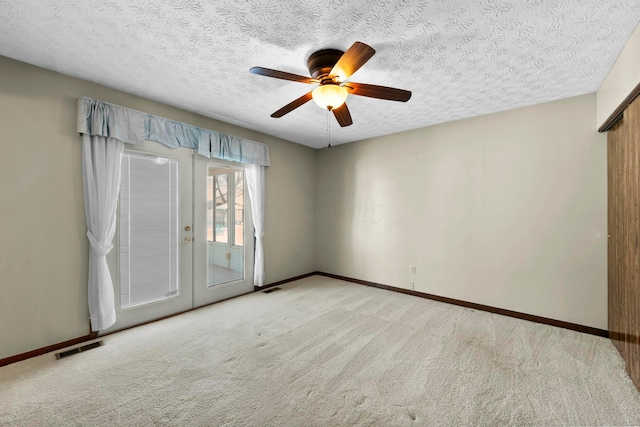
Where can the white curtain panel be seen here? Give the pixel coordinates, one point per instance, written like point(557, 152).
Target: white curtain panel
point(101, 159)
point(255, 183)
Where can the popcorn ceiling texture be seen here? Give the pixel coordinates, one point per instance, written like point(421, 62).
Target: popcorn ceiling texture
point(460, 58)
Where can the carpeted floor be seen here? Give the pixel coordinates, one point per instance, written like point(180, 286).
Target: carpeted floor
point(321, 352)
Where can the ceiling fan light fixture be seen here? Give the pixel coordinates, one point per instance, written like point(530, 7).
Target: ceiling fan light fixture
point(329, 96)
point(331, 69)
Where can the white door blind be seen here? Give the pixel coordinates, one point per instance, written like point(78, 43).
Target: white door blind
point(148, 229)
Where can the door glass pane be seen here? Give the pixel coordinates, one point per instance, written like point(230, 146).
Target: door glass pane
point(238, 217)
point(210, 210)
point(225, 225)
point(222, 208)
point(148, 229)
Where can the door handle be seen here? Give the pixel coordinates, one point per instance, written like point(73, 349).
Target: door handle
point(185, 240)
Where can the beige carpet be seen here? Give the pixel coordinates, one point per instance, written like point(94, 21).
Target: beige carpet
point(322, 352)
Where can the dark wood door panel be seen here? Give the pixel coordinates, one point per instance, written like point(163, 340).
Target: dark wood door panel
point(623, 159)
point(632, 293)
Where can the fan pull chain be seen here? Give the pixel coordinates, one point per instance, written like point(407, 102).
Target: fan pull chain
point(329, 127)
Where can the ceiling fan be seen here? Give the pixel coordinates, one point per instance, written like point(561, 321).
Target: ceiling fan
point(330, 69)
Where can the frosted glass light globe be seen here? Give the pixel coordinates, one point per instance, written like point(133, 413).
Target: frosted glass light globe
point(329, 96)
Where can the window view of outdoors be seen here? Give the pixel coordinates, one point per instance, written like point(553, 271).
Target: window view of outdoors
point(221, 195)
point(225, 225)
point(225, 207)
point(239, 209)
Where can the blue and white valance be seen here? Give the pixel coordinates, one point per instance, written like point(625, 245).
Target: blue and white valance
point(133, 127)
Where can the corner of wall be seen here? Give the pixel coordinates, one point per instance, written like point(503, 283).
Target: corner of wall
point(621, 80)
point(315, 210)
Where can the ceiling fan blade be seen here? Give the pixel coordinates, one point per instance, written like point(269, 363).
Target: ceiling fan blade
point(354, 58)
point(282, 75)
point(380, 92)
point(292, 105)
point(342, 115)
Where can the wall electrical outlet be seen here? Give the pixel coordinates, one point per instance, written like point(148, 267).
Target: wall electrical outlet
point(412, 285)
point(412, 269)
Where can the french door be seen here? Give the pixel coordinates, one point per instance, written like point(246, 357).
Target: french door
point(223, 257)
point(184, 234)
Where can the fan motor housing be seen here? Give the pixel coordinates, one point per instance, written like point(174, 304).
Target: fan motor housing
point(321, 62)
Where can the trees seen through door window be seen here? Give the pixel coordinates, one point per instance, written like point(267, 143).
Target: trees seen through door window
point(225, 206)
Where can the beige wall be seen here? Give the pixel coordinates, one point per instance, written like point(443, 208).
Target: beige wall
point(622, 78)
point(43, 247)
point(507, 210)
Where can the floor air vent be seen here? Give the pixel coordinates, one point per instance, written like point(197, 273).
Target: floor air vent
point(271, 290)
point(78, 350)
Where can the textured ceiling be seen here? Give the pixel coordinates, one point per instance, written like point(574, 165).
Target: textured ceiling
point(459, 58)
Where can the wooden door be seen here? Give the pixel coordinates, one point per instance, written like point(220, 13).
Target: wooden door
point(623, 153)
